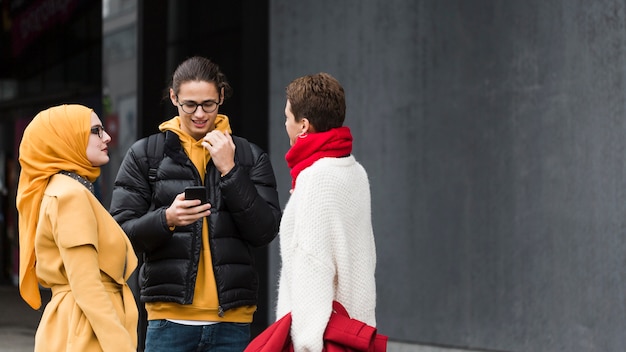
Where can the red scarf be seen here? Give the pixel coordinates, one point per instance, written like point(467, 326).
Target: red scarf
point(309, 148)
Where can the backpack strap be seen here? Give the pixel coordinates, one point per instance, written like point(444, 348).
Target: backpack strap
point(154, 152)
point(243, 151)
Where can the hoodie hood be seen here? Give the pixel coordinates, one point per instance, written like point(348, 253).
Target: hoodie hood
point(198, 155)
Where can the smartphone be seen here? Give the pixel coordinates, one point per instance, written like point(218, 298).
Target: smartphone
point(197, 192)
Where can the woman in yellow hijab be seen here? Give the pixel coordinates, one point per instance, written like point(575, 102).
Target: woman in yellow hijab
point(68, 241)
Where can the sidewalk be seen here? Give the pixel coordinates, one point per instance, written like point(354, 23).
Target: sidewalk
point(18, 321)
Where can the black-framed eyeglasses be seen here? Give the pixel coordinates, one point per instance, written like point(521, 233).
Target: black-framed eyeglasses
point(190, 107)
point(97, 130)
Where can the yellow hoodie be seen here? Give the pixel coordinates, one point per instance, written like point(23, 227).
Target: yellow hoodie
point(205, 303)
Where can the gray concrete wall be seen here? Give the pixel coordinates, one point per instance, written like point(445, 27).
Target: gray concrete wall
point(493, 134)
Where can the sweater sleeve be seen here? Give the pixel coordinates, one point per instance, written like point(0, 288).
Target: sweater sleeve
point(313, 264)
point(77, 238)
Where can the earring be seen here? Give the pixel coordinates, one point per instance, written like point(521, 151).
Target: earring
point(302, 135)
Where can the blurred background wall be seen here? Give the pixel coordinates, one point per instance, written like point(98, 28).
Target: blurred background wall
point(493, 134)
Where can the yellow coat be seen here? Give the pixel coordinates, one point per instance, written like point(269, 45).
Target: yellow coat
point(85, 258)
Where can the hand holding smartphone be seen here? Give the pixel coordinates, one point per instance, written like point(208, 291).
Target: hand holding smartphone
point(197, 192)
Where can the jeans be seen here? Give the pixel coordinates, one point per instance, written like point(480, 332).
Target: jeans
point(166, 336)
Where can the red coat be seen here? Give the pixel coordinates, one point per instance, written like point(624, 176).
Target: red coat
point(342, 334)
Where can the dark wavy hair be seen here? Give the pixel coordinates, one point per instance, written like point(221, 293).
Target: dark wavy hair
point(198, 68)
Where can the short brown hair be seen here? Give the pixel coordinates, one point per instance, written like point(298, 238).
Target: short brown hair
point(320, 98)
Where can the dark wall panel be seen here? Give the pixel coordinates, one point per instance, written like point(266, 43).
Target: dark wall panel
point(520, 244)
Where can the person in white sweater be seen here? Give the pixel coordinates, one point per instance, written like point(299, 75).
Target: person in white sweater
point(326, 237)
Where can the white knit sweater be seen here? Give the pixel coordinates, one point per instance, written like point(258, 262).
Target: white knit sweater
point(327, 250)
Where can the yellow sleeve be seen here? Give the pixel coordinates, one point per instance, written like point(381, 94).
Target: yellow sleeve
point(76, 223)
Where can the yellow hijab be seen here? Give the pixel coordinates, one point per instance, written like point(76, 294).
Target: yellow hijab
point(56, 139)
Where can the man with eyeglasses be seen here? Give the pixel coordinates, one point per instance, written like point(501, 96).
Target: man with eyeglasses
point(198, 280)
